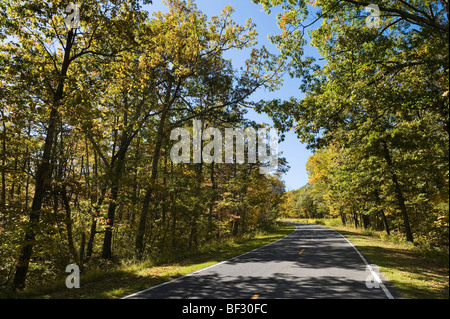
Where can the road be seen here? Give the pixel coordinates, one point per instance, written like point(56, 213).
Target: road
point(312, 262)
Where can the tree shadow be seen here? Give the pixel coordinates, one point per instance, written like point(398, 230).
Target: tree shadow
point(313, 262)
point(420, 278)
point(279, 286)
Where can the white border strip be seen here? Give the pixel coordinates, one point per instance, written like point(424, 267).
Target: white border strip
point(369, 267)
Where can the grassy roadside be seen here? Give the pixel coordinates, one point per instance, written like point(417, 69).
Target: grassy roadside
point(414, 273)
point(107, 281)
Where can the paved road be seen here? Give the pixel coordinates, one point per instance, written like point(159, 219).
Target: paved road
point(312, 262)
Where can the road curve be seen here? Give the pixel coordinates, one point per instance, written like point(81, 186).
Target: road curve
point(312, 262)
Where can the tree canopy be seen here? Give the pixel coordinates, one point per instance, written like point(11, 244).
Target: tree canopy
point(376, 110)
point(87, 112)
point(91, 93)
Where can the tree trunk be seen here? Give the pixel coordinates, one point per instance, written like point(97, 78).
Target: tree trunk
point(115, 185)
point(70, 241)
point(139, 244)
point(117, 168)
point(93, 231)
point(164, 207)
point(82, 246)
point(193, 233)
point(174, 224)
point(43, 173)
point(107, 241)
point(355, 219)
point(136, 189)
point(3, 157)
point(398, 193)
point(197, 208)
point(213, 199)
point(381, 213)
point(343, 218)
point(365, 221)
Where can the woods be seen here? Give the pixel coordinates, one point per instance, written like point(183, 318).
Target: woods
point(376, 114)
point(91, 112)
point(86, 119)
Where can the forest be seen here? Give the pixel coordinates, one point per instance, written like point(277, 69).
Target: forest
point(88, 107)
point(86, 121)
point(377, 117)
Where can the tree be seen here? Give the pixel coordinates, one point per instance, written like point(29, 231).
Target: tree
point(86, 120)
point(377, 88)
point(196, 49)
point(43, 69)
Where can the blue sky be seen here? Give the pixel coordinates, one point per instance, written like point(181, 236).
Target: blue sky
point(295, 153)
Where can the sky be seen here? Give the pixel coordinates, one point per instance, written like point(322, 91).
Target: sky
point(295, 153)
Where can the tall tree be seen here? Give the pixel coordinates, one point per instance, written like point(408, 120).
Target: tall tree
point(377, 83)
point(42, 43)
point(191, 47)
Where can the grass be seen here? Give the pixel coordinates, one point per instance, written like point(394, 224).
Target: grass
point(416, 272)
point(108, 280)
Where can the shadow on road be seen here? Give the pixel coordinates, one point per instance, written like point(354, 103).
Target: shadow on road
point(312, 262)
point(280, 286)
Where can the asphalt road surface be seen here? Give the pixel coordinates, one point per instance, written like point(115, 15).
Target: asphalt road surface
point(312, 262)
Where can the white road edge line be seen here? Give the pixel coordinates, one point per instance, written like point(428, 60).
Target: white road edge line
point(374, 274)
point(206, 268)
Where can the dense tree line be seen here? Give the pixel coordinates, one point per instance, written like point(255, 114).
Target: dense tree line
point(86, 121)
point(305, 202)
point(375, 111)
point(87, 114)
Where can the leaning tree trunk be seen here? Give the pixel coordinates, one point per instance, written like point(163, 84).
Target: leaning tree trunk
point(139, 244)
point(43, 174)
point(398, 193)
